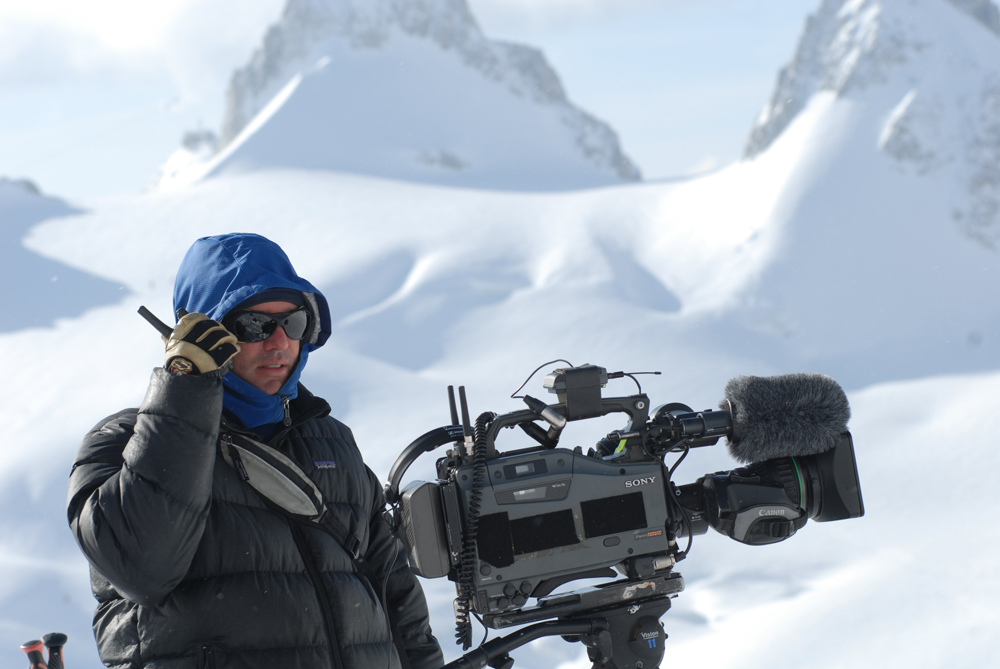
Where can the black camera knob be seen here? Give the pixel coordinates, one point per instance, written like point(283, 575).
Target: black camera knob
point(646, 639)
point(526, 587)
point(519, 600)
point(509, 590)
point(503, 603)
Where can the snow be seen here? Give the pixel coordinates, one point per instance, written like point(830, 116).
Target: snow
point(823, 253)
point(56, 290)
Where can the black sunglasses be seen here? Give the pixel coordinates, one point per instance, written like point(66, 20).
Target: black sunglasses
point(254, 326)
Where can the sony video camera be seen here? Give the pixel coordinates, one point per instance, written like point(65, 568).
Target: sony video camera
point(508, 527)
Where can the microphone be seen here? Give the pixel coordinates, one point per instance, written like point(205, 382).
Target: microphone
point(793, 415)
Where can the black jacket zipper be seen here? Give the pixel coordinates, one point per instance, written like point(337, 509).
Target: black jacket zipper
point(317, 410)
point(321, 595)
point(206, 657)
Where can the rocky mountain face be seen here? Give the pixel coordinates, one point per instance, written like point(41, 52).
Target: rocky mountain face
point(932, 67)
point(310, 30)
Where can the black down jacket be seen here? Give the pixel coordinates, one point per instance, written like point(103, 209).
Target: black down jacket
point(191, 569)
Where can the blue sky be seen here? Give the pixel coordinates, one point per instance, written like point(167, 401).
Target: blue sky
point(96, 95)
point(681, 82)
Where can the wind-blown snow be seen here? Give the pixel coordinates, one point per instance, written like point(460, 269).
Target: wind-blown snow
point(824, 253)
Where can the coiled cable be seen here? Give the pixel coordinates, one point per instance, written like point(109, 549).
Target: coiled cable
point(466, 565)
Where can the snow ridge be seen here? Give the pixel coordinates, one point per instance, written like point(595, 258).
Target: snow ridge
point(308, 29)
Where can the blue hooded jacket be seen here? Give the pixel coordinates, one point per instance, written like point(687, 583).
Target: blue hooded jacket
point(219, 273)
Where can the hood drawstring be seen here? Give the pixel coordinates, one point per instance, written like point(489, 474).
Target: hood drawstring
point(288, 411)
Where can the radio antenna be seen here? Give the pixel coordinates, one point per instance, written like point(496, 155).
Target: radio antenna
point(451, 405)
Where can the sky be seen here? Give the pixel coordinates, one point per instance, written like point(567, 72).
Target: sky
point(96, 95)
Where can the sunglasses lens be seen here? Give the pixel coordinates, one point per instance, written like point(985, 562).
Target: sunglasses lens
point(252, 326)
point(295, 324)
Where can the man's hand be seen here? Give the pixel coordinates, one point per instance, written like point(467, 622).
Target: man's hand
point(199, 345)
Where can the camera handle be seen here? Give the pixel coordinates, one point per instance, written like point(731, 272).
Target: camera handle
point(425, 443)
point(636, 406)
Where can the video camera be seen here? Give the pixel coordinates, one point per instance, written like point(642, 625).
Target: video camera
point(509, 527)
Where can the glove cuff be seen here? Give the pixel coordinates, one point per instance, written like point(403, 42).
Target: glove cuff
point(180, 365)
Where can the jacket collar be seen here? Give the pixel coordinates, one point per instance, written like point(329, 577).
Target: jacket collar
point(303, 408)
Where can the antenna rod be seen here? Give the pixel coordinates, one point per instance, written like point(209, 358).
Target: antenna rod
point(451, 405)
point(160, 326)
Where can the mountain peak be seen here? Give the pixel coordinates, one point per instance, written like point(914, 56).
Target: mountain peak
point(409, 90)
point(930, 69)
point(852, 44)
point(306, 26)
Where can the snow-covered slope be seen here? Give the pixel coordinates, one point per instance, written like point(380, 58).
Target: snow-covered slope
point(410, 91)
point(822, 253)
point(422, 302)
point(37, 290)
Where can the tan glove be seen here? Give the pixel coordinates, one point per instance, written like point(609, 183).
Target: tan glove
point(199, 345)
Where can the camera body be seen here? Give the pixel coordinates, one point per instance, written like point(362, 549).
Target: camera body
point(511, 526)
point(544, 516)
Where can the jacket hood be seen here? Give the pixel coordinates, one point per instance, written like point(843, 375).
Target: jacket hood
point(217, 274)
point(220, 272)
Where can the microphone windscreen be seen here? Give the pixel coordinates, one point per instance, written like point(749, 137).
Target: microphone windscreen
point(784, 416)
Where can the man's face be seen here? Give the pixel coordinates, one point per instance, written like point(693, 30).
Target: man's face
point(266, 365)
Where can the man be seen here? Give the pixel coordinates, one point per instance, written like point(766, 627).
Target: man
point(191, 566)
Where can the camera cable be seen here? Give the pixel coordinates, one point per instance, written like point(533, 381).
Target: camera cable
point(486, 629)
point(631, 375)
point(514, 395)
point(465, 585)
point(676, 509)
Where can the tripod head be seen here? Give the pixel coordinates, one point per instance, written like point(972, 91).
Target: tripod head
point(619, 622)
